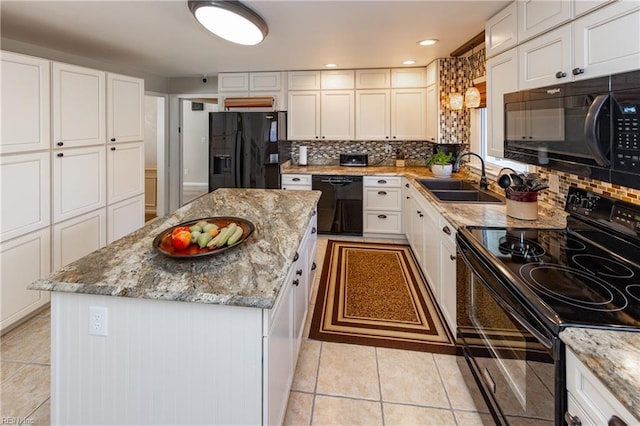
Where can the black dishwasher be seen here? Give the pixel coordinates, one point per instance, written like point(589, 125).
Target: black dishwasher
point(340, 206)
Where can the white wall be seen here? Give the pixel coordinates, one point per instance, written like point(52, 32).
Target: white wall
point(195, 144)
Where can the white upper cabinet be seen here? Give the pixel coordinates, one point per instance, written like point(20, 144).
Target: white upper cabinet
point(607, 40)
point(409, 114)
point(433, 112)
point(373, 114)
point(24, 193)
point(502, 77)
point(501, 31)
point(304, 80)
point(264, 81)
point(545, 60)
point(233, 82)
point(337, 118)
point(125, 171)
point(125, 107)
point(373, 79)
point(337, 79)
point(580, 7)
point(538, 16)
point(78, 106)
point(303, 118)
point(408, 77)
point(79, 181)
point(24, 104)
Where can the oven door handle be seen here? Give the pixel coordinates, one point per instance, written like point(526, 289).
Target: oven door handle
point(544, 340)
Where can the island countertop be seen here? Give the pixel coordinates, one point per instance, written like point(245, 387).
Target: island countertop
point(249, 275)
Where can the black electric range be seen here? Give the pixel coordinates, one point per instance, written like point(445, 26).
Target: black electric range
point(585, 275)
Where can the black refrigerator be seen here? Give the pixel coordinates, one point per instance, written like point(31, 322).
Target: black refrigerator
point(246, 149)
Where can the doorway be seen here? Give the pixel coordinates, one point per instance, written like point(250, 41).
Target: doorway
point(155, 161)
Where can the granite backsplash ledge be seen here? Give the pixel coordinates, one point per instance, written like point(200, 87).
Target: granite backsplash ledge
point(322, 153)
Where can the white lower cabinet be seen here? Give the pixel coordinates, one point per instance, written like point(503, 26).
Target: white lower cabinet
point(125, 171)
point(24, 193)
point(23, 260)
point(79, 181)
point(447, 276)
point(382, 205)
point(124, 217)
point(77, 237)
point(589, 400)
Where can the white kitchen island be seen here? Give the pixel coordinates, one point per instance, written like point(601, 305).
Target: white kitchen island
point(212, 340)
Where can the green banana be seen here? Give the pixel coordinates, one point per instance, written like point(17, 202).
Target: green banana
point(235, 237)
point(226, 234)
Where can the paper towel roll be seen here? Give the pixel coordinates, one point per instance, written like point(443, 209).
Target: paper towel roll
point(302, 157)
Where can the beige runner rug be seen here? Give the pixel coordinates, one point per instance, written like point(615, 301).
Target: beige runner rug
point(375, 295)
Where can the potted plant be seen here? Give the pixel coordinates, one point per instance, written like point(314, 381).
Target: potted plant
point(440, 163)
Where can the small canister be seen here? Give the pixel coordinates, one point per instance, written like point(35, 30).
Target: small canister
point(522, 205)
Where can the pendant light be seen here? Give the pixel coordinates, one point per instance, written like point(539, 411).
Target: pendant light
point(456, 100)
point(230, 20)
point(472, 95)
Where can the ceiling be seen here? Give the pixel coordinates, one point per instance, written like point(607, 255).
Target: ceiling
point(161, 37)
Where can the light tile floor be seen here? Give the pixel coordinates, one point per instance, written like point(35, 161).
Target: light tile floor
point(334, 384)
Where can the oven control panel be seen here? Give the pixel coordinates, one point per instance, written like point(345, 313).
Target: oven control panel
point(615, 214)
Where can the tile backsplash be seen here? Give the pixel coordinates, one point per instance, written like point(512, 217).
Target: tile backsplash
point(328, 152)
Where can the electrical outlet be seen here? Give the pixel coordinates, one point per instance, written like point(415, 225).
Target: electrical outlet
point(554, 183)
point(388, 149)
point(98, 321)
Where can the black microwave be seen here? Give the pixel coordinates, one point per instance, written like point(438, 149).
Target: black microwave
point(588, 128)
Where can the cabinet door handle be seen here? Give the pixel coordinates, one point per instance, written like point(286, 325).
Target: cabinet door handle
point(406, 185)
point(408, 197)
point(112, 139)
point(299, 272)
point(313, 266)
point(382, 192)
point(446, 230)
point(296, 179)
point(296, 282)
point(314, 230)
point(572, 420)
point(382, 181)
point(60, 154)
point(296, 257)
point(452, 257)
point(382, 216)
point(577, 71)
point(616, 421)
point(561, 74)
point(113, 148)
point(60, 143)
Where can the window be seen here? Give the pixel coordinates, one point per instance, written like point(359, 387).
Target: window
point(478, 144)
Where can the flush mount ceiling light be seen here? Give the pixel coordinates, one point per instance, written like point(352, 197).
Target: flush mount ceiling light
point(428, 42)
point(230, 20)
point(330, 65)
point(408, 62)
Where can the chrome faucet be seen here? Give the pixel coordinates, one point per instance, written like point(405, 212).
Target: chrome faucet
point(484, 183)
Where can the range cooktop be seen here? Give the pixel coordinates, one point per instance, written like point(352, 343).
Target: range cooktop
point(587, 274)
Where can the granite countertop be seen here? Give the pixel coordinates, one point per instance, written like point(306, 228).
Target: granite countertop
point(248, 275)
point(458, 214)
point(614, 357)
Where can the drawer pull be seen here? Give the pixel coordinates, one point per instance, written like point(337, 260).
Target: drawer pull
point(113, 139)
point(446, 230)
point(382, 192)
point(406, 185)
point(408, 197)
point(296, 179)
point(299, 272)
point(314, 230)
point(296, 282)
point(577, 71)
point(313, 266)
point(60, 143)
point(561, 74)
point(616, 421)
point(382, 181)
point(382, 216)
point(572, 420)
point(296, 257)
point(452, 257)
point(60, 155)
point(113, 148)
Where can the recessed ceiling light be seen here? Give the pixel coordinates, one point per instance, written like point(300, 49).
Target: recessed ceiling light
point(427, 42)
point(230, 20)
point(408, 62)
point(330, 65)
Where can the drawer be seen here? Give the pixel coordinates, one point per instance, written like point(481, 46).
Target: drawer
point(382, 223)
point(383, 199)
point(296, 187)
point(382, 181)
point(288, 179)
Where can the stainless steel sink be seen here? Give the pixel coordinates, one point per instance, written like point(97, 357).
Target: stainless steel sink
point(459, 191)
